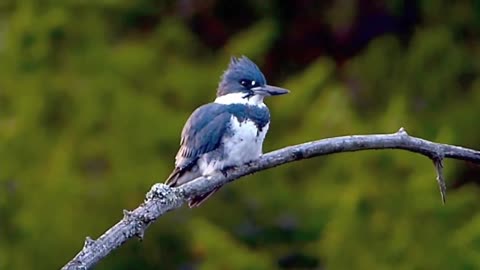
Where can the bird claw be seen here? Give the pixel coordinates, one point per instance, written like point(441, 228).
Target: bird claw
point(226, 169)
point(250, 163)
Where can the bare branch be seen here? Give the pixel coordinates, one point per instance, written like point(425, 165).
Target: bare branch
point(162, 199)
point(438, 162)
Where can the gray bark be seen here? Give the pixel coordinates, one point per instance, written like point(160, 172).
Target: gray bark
point(162, 199)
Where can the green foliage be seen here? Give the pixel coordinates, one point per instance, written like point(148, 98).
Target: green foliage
point(91, 109)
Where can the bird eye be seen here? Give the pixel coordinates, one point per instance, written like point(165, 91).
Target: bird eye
point(246, 83)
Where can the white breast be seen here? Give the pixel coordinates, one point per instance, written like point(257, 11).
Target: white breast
point(245, 144)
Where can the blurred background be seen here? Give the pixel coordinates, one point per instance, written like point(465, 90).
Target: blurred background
point(93, 96)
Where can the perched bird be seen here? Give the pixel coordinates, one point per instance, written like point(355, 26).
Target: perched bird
point(228, 132)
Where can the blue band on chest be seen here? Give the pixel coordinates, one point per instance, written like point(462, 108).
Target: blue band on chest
point(259, 115)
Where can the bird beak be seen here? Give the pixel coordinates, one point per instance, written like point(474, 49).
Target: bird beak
point(269, 90)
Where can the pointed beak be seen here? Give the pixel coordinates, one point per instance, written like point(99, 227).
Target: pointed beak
point(269, 90)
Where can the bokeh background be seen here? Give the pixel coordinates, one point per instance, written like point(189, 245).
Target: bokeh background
point(93, 96)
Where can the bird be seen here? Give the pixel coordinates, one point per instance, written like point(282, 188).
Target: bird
point(227, 132)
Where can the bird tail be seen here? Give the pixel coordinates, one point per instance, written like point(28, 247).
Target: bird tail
point(173, 178)
point(179, 177)
point(196, 201)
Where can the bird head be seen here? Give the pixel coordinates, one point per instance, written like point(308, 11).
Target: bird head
point(245, 79)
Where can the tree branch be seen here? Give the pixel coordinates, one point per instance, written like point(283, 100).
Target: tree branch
point(162, 199)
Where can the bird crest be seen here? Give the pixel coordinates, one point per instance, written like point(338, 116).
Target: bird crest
point(239, 69)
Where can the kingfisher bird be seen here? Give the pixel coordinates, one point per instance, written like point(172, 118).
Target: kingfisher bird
point(228, 132)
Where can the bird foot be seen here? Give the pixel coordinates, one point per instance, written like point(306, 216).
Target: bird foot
point(250, 163)
point(225, 170)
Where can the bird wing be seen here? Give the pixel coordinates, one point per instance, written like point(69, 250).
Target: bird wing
point(201, 134)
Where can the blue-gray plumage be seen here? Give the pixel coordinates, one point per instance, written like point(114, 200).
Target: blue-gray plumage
point(228, 132)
